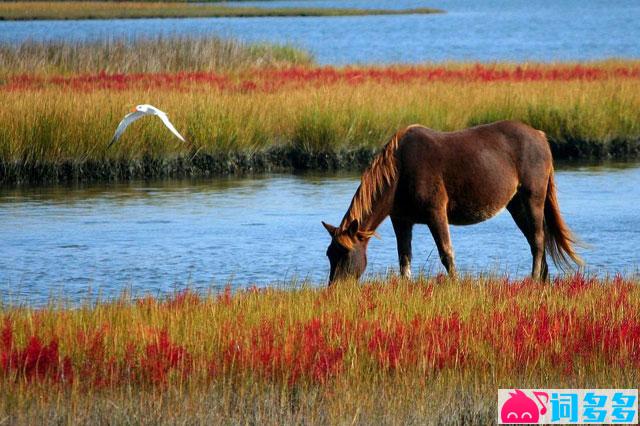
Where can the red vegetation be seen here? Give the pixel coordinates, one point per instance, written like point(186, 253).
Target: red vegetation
point(35, 361)
point(271, 80)
point(508, 336)
point(162, 357)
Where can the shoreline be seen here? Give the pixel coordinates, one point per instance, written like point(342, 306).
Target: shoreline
point(273, 160)
point(96, 10)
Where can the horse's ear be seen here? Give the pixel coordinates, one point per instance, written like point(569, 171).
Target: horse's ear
point(330, 228)
point(353, 228)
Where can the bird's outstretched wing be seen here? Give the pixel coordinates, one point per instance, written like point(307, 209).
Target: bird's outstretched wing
point(169, 125)
point(128, 119)
point(146, 110)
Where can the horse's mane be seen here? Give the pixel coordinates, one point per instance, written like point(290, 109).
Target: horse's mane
point(380, 174)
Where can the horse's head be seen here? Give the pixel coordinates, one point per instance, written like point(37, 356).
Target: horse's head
point(347, 252)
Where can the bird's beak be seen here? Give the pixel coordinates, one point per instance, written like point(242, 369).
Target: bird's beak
point(133, 109)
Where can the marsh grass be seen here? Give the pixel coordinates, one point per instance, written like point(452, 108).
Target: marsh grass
point(388, 351)
point(31, 10)
point(253, 108)
point(145, 55)
point(57, 133)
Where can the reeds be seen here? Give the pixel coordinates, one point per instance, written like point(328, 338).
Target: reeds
point(62, 126)
point(23, 10)
point(247, 108)
point(144, 55)
point(432, 350)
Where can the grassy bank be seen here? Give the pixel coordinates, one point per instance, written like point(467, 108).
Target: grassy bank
point(248, 108)
point(429, 351)
point(57, 128)
point(30, 10)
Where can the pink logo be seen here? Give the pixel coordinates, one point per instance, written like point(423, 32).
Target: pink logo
point(519, 408)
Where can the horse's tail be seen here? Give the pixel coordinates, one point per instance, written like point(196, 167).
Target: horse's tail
point(559, 240)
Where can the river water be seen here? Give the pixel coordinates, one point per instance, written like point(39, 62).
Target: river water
point(154, 237)
point(487, 30)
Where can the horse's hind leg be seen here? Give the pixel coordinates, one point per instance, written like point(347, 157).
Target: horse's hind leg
point(404, 231)
point(439, 227)
point(527, 210)
point(545, 269)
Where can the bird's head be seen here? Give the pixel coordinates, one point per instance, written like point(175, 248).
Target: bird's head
point(144, 108)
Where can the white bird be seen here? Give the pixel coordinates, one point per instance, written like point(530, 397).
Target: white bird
point(141, 111)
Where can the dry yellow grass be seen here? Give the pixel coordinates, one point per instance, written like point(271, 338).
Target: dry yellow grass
point(144, 55)
point(59, 124)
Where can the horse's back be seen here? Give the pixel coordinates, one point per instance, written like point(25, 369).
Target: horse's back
point(507, 137)
point(475, 171)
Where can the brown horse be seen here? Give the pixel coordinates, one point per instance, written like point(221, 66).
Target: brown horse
point(460, 178)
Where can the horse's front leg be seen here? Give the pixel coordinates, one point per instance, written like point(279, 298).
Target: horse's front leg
point(403, 230)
